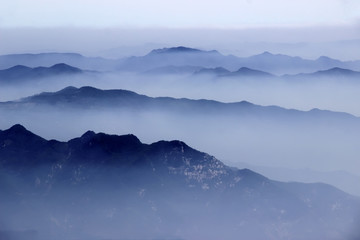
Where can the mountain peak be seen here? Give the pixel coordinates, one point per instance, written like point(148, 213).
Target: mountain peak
point(338, 71)
point(325, 58)
point(180, 49)
point(81, 90)
point(68, 89)
point(107, 139)
point(252, 72)
point(89, 89)
point(18, 67)
point(245, 69)
point(21, 72)
point(60, 65)
point(18, 133)
point(65, 68)
point(266, 53)
point(88, 135)
point(17, 128)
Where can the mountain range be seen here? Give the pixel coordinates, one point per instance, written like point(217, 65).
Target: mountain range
point(17, 73)
point(334, 73)
point(288, 138)
point(98, 186)
point(50, 59)
point(101, 186)
point(89, 98)
point(180, 57)
point(22, 74)
point(242, 72)
point(273, 63)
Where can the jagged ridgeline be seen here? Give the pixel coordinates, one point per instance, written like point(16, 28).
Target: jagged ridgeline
point(101, 186)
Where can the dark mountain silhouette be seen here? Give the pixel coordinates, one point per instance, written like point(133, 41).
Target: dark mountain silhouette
point(157, 188)
point(18, 73)
point(92, 97)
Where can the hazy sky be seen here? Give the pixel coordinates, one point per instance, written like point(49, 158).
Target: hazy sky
point(118, 28)
point(177, 13)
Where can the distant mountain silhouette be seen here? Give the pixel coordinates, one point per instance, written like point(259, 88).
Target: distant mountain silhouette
point(165, 185)
point(242, 72)
point(333, 73)
point(90, 98)
point(50, 59)
point(324, 60)
point(178, 57)
point(180, 49)
point(18, 73)
point(247, 72)
point(218, 71)
point(173, 70)
point(340, 179)
point(212, 72)
point(273, 63)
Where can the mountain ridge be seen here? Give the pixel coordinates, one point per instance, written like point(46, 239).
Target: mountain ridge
point(335, 72)
point(148, 182)
point(278, 64)
point(20, 72)
point(92, 96)
point(180, 49)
